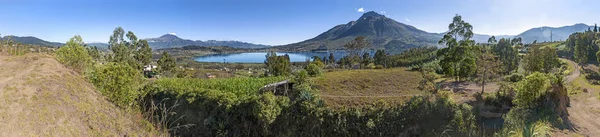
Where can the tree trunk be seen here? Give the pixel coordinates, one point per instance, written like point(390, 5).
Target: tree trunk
point(483, 80)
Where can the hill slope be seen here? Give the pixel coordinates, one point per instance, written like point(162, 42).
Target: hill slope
point(542, 34)
point(172, 41)
point(40, 97)
point(32, 41)
point(383, 32)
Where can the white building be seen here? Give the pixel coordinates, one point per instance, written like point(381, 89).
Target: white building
point(149, 67)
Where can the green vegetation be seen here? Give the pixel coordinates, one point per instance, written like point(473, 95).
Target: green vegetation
point(487, 66)
point(414, 56)
point(74, 55)
point(133, 52)
point(541, 60)
point(532, 88)
point(507, 54)
point(219, 113)
point(236, 89)
point(278, 65)
point(457, 60)
point(583, 46)
point(355, 49)
point(315, 68)
point(118, 82)
point(166, 63)
point(338, 102)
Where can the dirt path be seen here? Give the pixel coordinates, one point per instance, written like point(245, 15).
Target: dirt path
point(576, 73)
point(584, 113)
point(585, 107)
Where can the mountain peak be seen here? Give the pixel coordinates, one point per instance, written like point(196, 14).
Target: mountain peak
point(371, 14)
point(169, 35)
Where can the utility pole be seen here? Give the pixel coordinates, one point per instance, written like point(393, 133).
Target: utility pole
point(550, 35)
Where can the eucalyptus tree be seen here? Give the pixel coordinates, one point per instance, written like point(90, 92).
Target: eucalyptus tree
point(457, 60)
point(131, 51)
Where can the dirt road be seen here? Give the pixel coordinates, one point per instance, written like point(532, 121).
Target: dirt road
point(576, 73)
point(585, 107)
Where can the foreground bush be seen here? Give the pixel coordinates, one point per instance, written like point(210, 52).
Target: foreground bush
point(119, 82)
point(74, 55)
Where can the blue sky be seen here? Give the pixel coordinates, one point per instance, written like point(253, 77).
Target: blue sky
point(273, 22)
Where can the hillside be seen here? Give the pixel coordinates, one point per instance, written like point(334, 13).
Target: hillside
point(172, 41)
point(383, 32)
point(31, 41)
point(542, 34)
point(40, 97)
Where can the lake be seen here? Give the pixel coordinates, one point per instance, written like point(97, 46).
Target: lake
point(259, 57)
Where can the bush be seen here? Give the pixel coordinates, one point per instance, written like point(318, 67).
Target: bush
point(531, 89)
point(314, 70)
point(74, 55)
point(301, 77)
point(514, 77)
point(118, 82)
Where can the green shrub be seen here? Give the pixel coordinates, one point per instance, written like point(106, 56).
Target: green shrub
point(119, 82)
point(74, 55)
point(301, 77)
point(531, 89)
point(514, 77)
point(314, 70)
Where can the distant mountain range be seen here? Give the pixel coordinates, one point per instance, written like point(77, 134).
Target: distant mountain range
point(31, 41)
point(172, 41)
point(383, 32)
point(386, 33)
point(165, 41)
point(558, 34)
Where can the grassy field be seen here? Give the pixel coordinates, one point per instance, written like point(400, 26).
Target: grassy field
point(552, 44)
point(365, 87)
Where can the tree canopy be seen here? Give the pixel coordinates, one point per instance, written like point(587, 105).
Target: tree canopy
point(457, 60)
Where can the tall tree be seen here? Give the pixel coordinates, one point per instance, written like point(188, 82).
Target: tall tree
point(366, 59)
point(357, 46)
point(144, 53)
point(134, 52)
point(278, 65)
point(540, 60)
point(581, 50)
point(117, 45)
point(331, 58)
point(166, 63)
point(487, 67)
point(492, 40)
point(549, 59)
point(457, 55)
point(380, 58)
point(94, 53)
point(508, 55)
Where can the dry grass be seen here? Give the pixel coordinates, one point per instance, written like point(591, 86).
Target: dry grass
point(365, 87)
point(40, 97)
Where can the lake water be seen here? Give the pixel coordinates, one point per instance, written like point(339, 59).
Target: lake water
point(259, 57)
